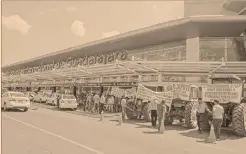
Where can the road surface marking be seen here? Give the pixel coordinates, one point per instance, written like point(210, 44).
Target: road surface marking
point(55, 135)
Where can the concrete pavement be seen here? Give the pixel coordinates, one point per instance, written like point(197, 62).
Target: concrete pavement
point(47, 132)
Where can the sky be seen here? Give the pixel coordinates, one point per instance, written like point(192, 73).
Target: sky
point(34, 28)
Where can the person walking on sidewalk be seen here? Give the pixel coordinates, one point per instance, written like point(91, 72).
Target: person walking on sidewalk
point(153, 111)
point(161, 110)
point(218, 113)
point(202, 108)
point(96, 100)
point(102, 103)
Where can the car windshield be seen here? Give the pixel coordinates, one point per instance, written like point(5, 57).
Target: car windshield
point(17, 95)
point(68, 97)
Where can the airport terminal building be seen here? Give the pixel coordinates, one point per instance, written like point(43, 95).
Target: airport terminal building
point(166, 52)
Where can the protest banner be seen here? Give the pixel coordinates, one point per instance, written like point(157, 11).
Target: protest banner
point(180, 90)
point(147, 94)
point(224, 93)
point(131, 92)
point(117, 92)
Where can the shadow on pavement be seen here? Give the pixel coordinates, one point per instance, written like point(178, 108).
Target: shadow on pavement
point(225, 135)
point(12, 110)
point(151, 132)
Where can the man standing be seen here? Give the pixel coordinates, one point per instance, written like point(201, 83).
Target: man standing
point(89, 102)
point(153, 111)
point(161, 111)
point(96, 100)
point(202, 108)
point(218, 114)
point(102, 103)
point(123, 107)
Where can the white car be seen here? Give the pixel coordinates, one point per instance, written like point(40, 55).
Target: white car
point(52, 99)
point(41, 97)
point(15, 100)
point(67, 102)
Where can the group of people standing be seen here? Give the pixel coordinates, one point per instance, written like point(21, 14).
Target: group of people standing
point(216, 118)
point(157, 111)
point(94, 102)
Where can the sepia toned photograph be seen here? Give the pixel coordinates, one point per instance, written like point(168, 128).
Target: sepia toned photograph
point(123, 77)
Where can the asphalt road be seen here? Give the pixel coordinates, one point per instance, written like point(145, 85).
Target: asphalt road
point(46, 131)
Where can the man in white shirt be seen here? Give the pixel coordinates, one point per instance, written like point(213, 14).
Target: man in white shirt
point(123, 107)
point(161, 111)
point(153, 111)
point(102, 103)
point(201, 109)
point(218, 114)
point(96, 100)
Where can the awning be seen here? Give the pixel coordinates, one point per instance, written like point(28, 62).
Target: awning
point(175, 68)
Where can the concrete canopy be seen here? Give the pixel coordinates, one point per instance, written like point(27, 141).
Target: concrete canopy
point(235, 5)
point(199, 26)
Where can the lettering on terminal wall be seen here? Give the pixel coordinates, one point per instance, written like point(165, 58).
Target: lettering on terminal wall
point(69, 63)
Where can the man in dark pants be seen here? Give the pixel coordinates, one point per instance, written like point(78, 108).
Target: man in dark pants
point(218, 114)
point(202, 108)
point(153, 111)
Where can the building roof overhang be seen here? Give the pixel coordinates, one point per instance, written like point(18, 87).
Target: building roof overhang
point(235, 5)
point(173, 68)
point(181, 29)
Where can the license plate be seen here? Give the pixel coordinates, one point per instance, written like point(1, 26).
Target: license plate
point(20, 101)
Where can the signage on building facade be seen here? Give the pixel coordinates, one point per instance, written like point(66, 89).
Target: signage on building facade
point(69, 63)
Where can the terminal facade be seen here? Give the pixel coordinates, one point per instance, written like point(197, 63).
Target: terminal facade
point(192, 39)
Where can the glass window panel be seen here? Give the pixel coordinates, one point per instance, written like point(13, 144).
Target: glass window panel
point(212, 49)
point(175, 51)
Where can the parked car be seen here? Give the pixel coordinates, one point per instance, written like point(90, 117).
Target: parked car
point(52, 99)
point(15, 100)
point(41, 97)
point(67, 102)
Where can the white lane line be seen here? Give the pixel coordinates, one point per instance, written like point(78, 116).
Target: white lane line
point(57, 136)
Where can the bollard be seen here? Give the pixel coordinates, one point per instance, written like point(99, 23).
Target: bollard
point(120, 120)
point(101, 116)
point(162, 127)
point(211, 138)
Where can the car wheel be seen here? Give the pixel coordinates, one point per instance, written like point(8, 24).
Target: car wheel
point(40, 101)
point(26, 109)
point(74, 109)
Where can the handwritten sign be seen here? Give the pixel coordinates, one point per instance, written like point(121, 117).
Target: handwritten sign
point(147, 94)
point(131, 92)
point(181, 90)
point(224, 93)
point(117, 92)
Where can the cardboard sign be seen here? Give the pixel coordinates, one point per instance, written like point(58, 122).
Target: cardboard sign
point(131, 92)
point(224, 93)
point(147, 94)
point(117, 92)
point(181, 90)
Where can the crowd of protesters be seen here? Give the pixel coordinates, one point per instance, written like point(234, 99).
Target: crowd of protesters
point(95, 102)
